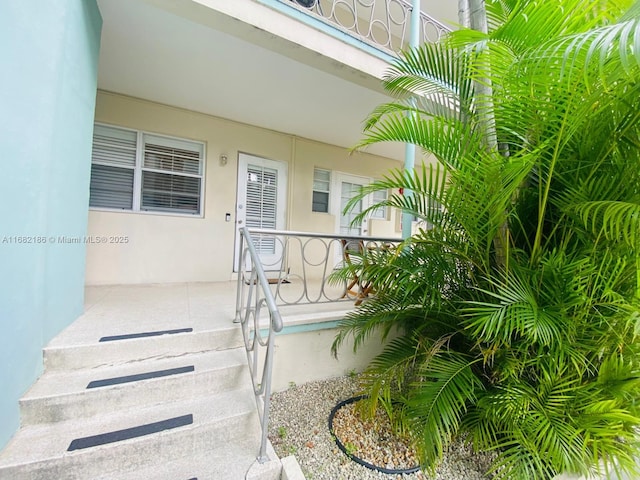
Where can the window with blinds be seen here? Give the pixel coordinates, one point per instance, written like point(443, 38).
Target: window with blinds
point(321, 190)
point(113, 163)
point(143, 172)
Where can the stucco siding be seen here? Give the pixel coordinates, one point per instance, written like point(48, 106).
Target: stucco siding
point(171, 248)
point(49, 52)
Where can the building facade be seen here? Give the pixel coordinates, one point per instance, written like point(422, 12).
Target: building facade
point(138, 135)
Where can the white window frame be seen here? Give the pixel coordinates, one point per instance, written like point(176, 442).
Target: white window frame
point(327, 191)
point(381, 213)
point(139, 168)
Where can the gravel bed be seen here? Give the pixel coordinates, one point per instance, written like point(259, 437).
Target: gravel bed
point(373, 440)
point(299, 426)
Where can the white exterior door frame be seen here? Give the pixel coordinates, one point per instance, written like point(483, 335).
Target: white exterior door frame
point(342, 185)
point(261, 202)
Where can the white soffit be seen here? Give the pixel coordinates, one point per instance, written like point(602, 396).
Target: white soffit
point(155, 54)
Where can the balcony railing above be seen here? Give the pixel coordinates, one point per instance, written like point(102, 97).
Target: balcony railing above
point(382, 23)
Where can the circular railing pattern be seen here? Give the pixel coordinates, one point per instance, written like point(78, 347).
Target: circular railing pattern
point(382, 23)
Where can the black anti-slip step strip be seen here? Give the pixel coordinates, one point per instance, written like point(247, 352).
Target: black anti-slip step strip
point(140, 376)
point(127, 433)
point(145, 334)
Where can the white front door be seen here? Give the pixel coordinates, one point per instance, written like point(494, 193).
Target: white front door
point(261, 203)
point(344, 188)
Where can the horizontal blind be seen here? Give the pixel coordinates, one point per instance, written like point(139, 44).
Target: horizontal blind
point(113, 160)
point(114, 146)
point(172, 155)
point(111, 187)
point(171, 175)
point(173, 193)
point(261, 209)
point(321, 180)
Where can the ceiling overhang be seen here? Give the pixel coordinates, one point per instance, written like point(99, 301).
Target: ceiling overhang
point(190, 55)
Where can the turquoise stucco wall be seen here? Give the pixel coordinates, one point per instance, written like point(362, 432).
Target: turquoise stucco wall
point(49, 61)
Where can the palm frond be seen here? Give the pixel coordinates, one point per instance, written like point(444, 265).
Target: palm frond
point(428, 185)
point(435, 73)
point(444, 138)
point(514, 311)
point(398, 362)
point(380, 316)
point(618, 221)
point(439, 401)
point(598, 50)
point(517, 304)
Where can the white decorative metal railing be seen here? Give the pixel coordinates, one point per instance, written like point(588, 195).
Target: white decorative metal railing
point(299, 265)
point(382, 23)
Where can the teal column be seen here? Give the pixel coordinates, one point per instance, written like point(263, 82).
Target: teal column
point(49, 51)
point(410, 149)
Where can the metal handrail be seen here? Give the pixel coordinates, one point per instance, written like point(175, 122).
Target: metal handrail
point(255, 294)
point(251, 332)
point(381, 23)
point(334, 236)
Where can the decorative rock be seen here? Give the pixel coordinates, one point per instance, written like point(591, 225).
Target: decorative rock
point(371, 440)
point(299, 415)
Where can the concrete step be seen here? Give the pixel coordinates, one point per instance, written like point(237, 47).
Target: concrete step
point(229, 462)
point(224, 428)
point(60, 396)
point(126, 350)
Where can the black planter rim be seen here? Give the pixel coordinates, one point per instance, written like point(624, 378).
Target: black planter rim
point(391, 471)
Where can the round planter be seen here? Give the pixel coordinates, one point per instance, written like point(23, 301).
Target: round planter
point(353, 457)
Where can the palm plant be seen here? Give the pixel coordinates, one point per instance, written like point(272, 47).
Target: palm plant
point(517, 310)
